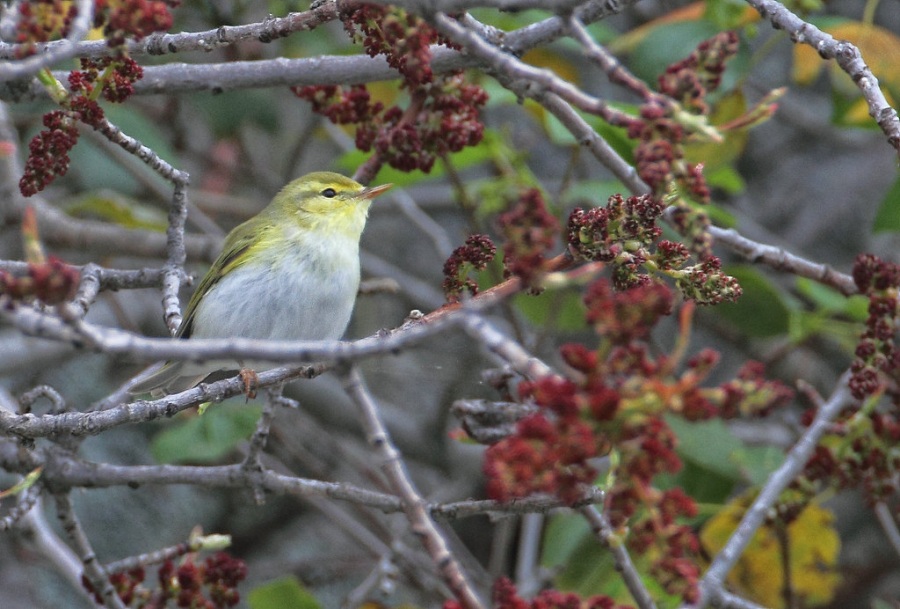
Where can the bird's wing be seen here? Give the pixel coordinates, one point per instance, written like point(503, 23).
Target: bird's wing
point(238, 242)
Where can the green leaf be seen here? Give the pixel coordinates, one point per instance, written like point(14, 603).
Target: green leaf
point(756, 463)
point(283, 593)
point(825, 298)
point(666, 45)
point(718, 215)
point(708, 444)
point(711, 447)
point(228, 111)
point(590, 193)
point(562, 537)
point(96, 170)
point(467, 157)
point(703, 484)
point(616, 137)
point(561, 309)
point(582, 565)
point(888, 217)
point(727, 14)
point(761, 311)
point(207, 438)
point(725, 178)
point(110, 207)
point(857, 308)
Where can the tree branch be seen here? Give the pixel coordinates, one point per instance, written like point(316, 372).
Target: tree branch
point(847, 57)
point(712, 583)
point(413, 505)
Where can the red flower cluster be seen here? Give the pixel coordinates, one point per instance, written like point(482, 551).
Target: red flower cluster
point(505, 596)
point(517, 466)
point(603, 233)
point(662, 132)
point(442, 116)
point(689, 80)
point(530, 231)
point(46, 20)
point(623, 233)
point(629, 315)
point(51, 282)
point(48, 152)
point(877, 357)
point(48, 156)
point(751, 394)
point(115, 77)
point(475, 255)
point(123, 19)
point(705, 283)
point(127, 585)
point(615, 399)
point(42, 21)
point(404, 39)
point(211, 584)
point(665, 123)
point(862, 452)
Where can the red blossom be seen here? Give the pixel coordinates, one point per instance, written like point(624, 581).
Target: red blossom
point(600, 233)
point(530, 231)
point(211, 584)
point(877, 359)
point(475, 255)
point(404, 39)
point(48, 156)
point(706, 284)
point(554, 393)
point(751, 394)
point(48, 152)
point(543, 457)
point(629, 315)
point(443, 119)
point(579, 357)
point(505, 596)
point(691, 79)
point(136, 19)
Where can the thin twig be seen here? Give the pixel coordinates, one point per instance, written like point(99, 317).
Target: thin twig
point(413, 505)
point(727, 600)
point(329, 70)
point(93, 570)
point(252, 464)
point(602, 528)
point(208, 40)
point(888, 525)
point(61, 50)
point(47, 542)
point(847, 57)
point(508, 350)
point(712, 582)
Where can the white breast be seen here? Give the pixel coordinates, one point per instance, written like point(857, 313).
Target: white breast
point(303, 294)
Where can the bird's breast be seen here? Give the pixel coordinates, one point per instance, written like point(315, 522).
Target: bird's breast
point(304, 291)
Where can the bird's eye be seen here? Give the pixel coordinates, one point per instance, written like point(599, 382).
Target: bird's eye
point(329, 193)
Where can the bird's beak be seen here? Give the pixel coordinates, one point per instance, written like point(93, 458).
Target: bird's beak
point(373, 191)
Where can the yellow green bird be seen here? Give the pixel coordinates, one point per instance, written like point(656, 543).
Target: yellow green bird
point(289, 273)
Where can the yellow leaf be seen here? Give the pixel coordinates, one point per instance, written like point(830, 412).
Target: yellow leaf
point(714, 155)
point(807, 64)
point(812, 545)
point(858, 112)
point(692, 12)
point(880, 48)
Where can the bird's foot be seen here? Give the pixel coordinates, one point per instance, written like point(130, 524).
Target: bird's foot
point(251, 380)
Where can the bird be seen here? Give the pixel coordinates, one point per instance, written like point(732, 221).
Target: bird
point(289, 273)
